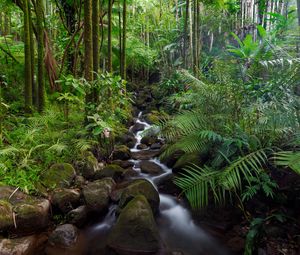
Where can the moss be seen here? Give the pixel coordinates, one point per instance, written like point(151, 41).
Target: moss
point(6, 220)
point(59, 175)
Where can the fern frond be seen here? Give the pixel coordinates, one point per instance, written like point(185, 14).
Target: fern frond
point(289, 159)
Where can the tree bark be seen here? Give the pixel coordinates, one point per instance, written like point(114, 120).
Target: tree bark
point(123, 60)
point(109, 37)
point(88, 43)
point(95, 17)
point(185, 34)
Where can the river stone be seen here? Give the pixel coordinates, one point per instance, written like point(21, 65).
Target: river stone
point(64, 236)
point(128, 139)
point(145, 155)
point(149, 167)
point(121, 152)
point(140, 187)
point(155, 146)
point(123, 163)
point(28, 245)
point(171, 159)
point(97, 194)
point(58, 176)
point(137, 127)
point(148, 140)
point(113, 171)
point(6, 215)
point(88, 165)
point(135, 231)
point(65, 199)
point(78, 216)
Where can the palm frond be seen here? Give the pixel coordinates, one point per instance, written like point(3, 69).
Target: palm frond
point(289, 159)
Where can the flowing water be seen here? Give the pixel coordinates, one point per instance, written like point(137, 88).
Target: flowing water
point(177, 228)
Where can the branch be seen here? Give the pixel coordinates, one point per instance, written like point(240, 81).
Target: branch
point(9, 54)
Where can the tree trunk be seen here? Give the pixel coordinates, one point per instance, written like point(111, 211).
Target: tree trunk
point(27, 51)
point(95, 17)
point(185, 34)
point(88, 43)
point(123, 60)
point(32, 52)
point(109, 37)
point(41, 54)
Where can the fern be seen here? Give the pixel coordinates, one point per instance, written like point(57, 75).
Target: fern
point(289, 159)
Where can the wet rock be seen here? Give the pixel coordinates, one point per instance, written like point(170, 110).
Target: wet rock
point(97, 194)
point(130, 173)
point(135, 231)
point(140, 187)
point(65, 199)
point(79, 181)
point(142, 146)
point(145, 155)
point(137, 127)
point(148, 140)
point(28, 245)
point(6, 216)
point(113, 171)
point(58, 176)
point(153, 117)
point(170, 160)
point(127, 139)
point(123, 163)
point(156, 146)
point(121, 152)
point(149, 167)
point(64, 236)
point(88, 165)
point(78, 216)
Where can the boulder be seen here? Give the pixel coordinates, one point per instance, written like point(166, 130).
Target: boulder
point(128, 139)
point(113, 171)
point(28, 245)
point(149, 167)
point(153, 117)
point(88, 165)
point(78, 216)
point(148, 140)
point(58, 176)
point(156, 146)
point(64, 236)
point(145, 155)
point(135, 231)
point(137, 127)
point(65, 199)
point(30, 213)
point(170, 160)
point(142, 146)
point(121, 152)
point(123, 163)
point(97, 194)
point(79, 181)
point(140, 187)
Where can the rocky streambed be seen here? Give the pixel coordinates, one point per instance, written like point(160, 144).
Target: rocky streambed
point(125, 207)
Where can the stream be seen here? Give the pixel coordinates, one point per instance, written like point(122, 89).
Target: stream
point(177, 229)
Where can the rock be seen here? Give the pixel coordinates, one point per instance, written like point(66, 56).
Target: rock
point(97, 194)
point(121, 152)
point(153, 117)
point(78, 216)
point(28, 245)
point(31, 215)
point(170, 160)
point(6, 216)
point(113, 171)
point(64, 236)
point(88, 165)
point(123, 163)
point(149, 167)
point(156, 146)
point(79, 181)
point(142, 146)
point(130, 173)
point(148, 140)
point(65, 199)
point(145, 155)
point(58, 176)
point(128, 139)
point(186, 160)
point(140, 187)
point(135, 231)
point(137, 127)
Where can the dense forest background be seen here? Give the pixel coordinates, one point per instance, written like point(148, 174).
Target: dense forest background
point(218, 79)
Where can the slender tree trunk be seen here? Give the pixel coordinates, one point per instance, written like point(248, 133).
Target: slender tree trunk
point(124, 40)
point(109, 36)
point(41, 54)
point(88, 43)
point(27, 51)
point(32, 52)
point(95, 18)
point(185, 34)
point(195, 38)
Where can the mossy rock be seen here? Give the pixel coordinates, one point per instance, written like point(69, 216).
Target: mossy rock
point(113, 171)
point(65, 199)
point(186, 160)
point(97, 194)
point(58, 176)
point(141, 187)
point(121, 152)
point(135, 231)
point(6, 217)
point(88, 165)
